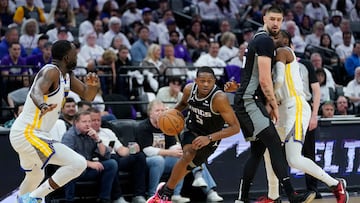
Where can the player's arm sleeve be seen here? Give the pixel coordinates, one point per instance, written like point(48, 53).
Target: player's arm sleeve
point(279, 75)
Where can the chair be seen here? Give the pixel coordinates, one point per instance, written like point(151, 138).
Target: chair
point(122, 110)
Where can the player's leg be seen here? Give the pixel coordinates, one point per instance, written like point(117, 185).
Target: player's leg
point(273, 182)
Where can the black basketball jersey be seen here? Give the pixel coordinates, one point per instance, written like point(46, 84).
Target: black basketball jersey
point(201, 117)
point(260, 45)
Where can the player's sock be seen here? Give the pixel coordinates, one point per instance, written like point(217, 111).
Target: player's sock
point(43, 190)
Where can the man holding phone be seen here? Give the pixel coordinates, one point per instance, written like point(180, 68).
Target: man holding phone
point(129, 159)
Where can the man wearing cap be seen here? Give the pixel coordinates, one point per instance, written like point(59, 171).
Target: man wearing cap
point(337, 37)
point(114, 29)
point(334, 25)
point(164, 37)
point(132, 14)
point(62, 34)
point(59, 25)
point(149, 23)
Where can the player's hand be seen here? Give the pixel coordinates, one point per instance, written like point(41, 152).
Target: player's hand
point(46, 108)
point(92, 79)
point(231, 86)
point(313, 122)
point(200, 142)
point(274, 115)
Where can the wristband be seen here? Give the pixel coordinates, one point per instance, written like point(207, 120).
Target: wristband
point(42, 105)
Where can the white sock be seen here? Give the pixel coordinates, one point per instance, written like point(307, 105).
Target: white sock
point(42, 190)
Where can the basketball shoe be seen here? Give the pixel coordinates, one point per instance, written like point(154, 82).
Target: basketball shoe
point(157, 198)
point(342, 196)
point(265, 199)
point(25, 198)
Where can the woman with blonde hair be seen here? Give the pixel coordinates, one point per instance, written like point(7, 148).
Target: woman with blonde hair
point(228, 50)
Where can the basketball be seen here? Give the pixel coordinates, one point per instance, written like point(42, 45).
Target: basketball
point(171, 122)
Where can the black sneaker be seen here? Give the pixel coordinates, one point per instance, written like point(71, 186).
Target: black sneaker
point(306, 197)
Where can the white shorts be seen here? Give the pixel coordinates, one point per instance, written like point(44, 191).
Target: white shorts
point(294, 118)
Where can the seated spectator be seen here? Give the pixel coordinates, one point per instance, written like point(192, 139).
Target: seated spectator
point(115, 29)
point(90, 51)
point(60, 26)
point(63, 34)
point(171, 94)
point(325, 89)
point(161, 151)
point(344, 50)
point(152, 60)
point(297, 40)
point(306, 25)
point(342, 106)
point(140, 47)
point(115, 44)
point(328, 53)
point(6, 15)
point(11, 36)
point(353, 61)
point(224, 26)
point(316, 61)
point(317, 11)
point(208, 10)
point(170, 60)
point(352, 90)
point(337, 37)
point(228, 50)
point(327, 109)
point(122, 85)
point(228, 9)
point(43, 39)
point(355, 12)
point(180, 51)
point(18, 108)
point(164, 37)
point(132, 161)
point(29, 34)
point(29, 10)
point(68, 112)
point(38, 61)
point(193, 36)
point(314, 37)
point(158, 13)
point(14, 61)
point(239, 60)
point(74, 5)
point(334, 25)
point(132, 13)
point(203, 47)
point(147, 20)
point(63, 9)
point(108, 9)
point(83, 139)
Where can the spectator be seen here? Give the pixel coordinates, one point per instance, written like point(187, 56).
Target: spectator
point(334, 25)
point(140, 47)
point(38, 61)
point(211, 59)
point(240, 59)
point(127, 160)
point(11, 36)
point(18, 108)
point(13, 60)
point(115, 44)
point(344, 50)
point(325, 89)
point(344, 6)
point(193, 36)
point(314, 37)
point(88, 7)
point(29, 10)
point(297, 40)
point(298, 12)
point(228, 10)
point(224, 26)
point(18, 96)
point(74, 5)
point(91, 51)
point(337, 37)
point(228, 50)
point(328, 53)
point(114, 29)
point(168, 15)
point(352, 90)
point(355, 12)
point(170, 60)
point(82, 66)
point(161, 151)
point(122, 85)
point(180, 51)
point(68, 112)
point(60, 25)
point(317, 11)
point(208, 10)
point(83, 139)
point(43, 39)
point(6, 15)
point(149, 23)
point(108, 9)
point(353, 61)
point(316, 61)
point(152, 61)
point(327, 109)
point(202, 48)
point(164, 37)
point(170, 95)
point(64, 34)
point(158, 13)
point(342, 106)
point(132, 13)
point(64, 10)
point(306, 25)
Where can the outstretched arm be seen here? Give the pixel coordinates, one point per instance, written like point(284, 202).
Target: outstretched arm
point(87, 90)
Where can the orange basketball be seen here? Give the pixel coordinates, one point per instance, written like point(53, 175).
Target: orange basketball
point(171, 122)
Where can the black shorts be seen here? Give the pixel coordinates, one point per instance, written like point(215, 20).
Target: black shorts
point(201, 154)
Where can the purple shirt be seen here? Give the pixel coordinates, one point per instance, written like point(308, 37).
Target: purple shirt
point(37, 61)
point(10, 66)
point(180, 51)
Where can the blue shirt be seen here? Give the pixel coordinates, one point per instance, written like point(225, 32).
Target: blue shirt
point(83, 144)
point(138, 51)
point(4, 49)
point(36, 51)
point(351, 63)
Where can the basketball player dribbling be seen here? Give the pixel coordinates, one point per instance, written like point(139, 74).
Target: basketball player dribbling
point(209, 110)
point(30, 136)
